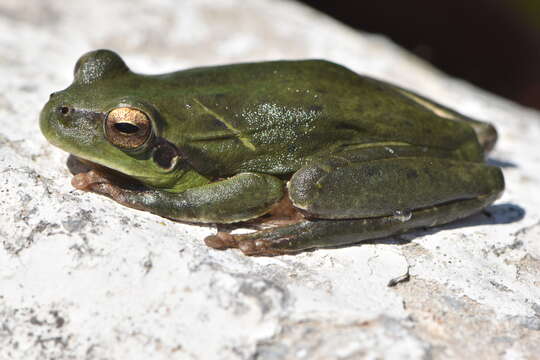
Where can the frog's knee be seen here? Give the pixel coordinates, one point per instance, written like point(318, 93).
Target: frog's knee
point(487, 136)
point(305, 185)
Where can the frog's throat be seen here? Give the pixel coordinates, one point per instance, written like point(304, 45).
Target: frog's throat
point(177, 181)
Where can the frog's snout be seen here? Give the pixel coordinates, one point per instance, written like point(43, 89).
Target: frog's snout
point(44, 121)
point(50, 121)
point(67, 127)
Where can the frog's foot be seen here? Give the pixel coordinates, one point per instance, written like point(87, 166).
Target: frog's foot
point(224, 240)
point(221, 241)
point(100, 183)
point(87, 181)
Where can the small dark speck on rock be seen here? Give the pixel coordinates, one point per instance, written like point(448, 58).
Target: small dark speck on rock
point(147, 265)
point(399, 279)
point(500, 286)
point(59, 321)
point(34, 321)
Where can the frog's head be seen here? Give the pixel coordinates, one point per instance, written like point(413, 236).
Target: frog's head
point(93, 119)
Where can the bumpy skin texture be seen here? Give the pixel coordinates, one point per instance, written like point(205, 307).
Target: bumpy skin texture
point(225, 141)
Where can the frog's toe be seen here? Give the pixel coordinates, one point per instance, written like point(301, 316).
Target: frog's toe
point(249, 246)
point(258, 248)
point(264, 247)
point(86, 180)
point(221, 241)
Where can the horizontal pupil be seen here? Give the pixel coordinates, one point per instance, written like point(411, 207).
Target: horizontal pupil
point(126, 128)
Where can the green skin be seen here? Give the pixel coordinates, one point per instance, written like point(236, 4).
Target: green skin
point(360, 158)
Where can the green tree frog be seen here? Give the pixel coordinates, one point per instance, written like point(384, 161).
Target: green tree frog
point(307, 152)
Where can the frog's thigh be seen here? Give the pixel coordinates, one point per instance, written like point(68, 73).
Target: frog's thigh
point(381, 187)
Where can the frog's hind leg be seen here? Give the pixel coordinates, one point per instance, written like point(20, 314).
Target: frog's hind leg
point(319, 233)
point(346, 202)
point(351, 190)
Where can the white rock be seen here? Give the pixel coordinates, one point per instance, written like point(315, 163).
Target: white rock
point(83, 277)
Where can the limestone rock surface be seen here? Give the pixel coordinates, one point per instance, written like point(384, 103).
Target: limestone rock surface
point(82, 277)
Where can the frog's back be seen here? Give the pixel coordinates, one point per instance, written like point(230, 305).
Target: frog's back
point(281, 113)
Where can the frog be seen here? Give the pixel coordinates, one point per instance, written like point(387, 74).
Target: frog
point(305, 154)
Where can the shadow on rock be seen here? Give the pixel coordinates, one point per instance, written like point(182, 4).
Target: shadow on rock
point(501, 163)
point(498, 214)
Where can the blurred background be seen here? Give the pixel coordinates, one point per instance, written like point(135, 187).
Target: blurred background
point(494, 44)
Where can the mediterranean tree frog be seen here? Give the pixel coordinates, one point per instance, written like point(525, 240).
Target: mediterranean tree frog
point(308, 152)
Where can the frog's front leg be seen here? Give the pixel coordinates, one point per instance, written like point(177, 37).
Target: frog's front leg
point(348, 202)
point(239, 198)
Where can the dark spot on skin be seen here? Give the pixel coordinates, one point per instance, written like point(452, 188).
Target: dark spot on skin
point(164, 154)
point(316, 108)
point(411, 174)
point(218, 124)
point(64, 110)
point(342, 125)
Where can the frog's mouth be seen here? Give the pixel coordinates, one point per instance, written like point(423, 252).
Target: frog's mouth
point(86, 173)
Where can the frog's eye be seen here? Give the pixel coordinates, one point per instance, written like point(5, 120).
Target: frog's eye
point(127, 128)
